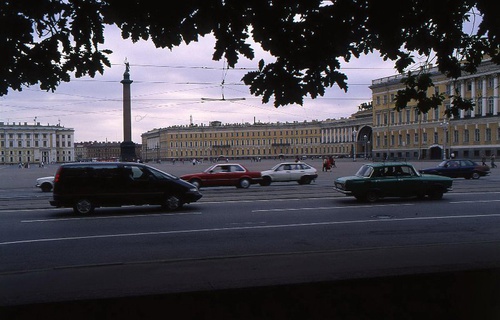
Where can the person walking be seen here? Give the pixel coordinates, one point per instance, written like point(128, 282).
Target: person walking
point(483, 159)
point(326, 164)
point(492, 158)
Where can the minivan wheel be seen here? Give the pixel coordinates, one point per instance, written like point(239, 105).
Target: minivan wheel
point(172, 203)
point(83, 206)
point(46, 187)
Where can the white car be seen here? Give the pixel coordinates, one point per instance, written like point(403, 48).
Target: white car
point(300, 172)
point(45, 183)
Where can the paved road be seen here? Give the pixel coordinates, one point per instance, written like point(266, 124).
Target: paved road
point(471, 294)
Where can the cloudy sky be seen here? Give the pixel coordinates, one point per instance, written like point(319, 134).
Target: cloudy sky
point(171, 87)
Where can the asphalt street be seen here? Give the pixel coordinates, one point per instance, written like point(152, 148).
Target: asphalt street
point(472, 294)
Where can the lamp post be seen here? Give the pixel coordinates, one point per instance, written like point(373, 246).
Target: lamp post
point(157, 148)
point(354, 135)
point(444, 124)
point(365, 139)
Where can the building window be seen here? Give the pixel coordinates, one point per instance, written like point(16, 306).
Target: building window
point(490, 105)
point(477, 135)
point(487, 134)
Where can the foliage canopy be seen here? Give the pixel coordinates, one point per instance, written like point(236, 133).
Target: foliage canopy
point(45, 41)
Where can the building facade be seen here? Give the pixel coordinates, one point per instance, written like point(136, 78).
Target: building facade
point(412, 135)
point(23, 143)
point(259, 140)
point(101, 151)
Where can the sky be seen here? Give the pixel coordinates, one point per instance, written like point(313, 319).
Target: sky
point(171, 87)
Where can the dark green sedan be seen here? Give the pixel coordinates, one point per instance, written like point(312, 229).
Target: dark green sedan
point(378, 180)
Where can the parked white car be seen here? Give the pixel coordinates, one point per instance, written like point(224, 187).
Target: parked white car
point(300, 172)
point(45, 183)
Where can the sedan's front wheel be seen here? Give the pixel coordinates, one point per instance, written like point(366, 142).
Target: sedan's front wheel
point(305, 180)
point(46, 187)
point(266, 181)
point(371, 196)
point(436, 194)
point(475, 175)
point(196, 183)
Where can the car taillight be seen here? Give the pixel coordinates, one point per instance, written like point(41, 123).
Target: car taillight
point(57, 176)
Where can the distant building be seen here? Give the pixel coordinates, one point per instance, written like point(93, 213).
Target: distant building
point(409, 134)
point(24, 143)
point(258, 140)
point(376, 131)
point(101, 151)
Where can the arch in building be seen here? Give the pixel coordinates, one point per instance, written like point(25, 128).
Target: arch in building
point(435, 152)
point(364, 141)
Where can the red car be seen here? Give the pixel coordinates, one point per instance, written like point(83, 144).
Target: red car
point(227, 174)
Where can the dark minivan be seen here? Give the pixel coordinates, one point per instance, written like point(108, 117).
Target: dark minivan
point(85, 186)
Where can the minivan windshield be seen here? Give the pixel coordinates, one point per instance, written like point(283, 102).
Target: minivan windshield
point(161, 174)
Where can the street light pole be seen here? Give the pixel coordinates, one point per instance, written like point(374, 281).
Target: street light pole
point(365, 138)
point(444, 124)
point(354, 136)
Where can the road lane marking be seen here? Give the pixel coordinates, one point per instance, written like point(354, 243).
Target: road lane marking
point(243, 228)
point(113, 217)
point(474, 201)
point(330, 208)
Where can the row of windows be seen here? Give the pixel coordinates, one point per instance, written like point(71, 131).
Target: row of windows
point(413, 115)
point(466, 137)
point(240, 134)
point(28, 152)
point(27, 144)
point(256, 142)
point(449, 89)
point(35, 135)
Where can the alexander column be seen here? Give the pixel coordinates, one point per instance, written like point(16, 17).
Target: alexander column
point(127, 147)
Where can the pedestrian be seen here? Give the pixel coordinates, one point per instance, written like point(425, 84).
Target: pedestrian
point(483, 159)
point(326, 165)
point(332, 162)
point(492, 158)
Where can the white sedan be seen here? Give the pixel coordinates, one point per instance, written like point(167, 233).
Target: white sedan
point(300, 172)
point(45, 183)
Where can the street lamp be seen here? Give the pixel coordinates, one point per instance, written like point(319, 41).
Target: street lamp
point(354, 135)
point(444, 124)
point(157, 148)
point(365, 139)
